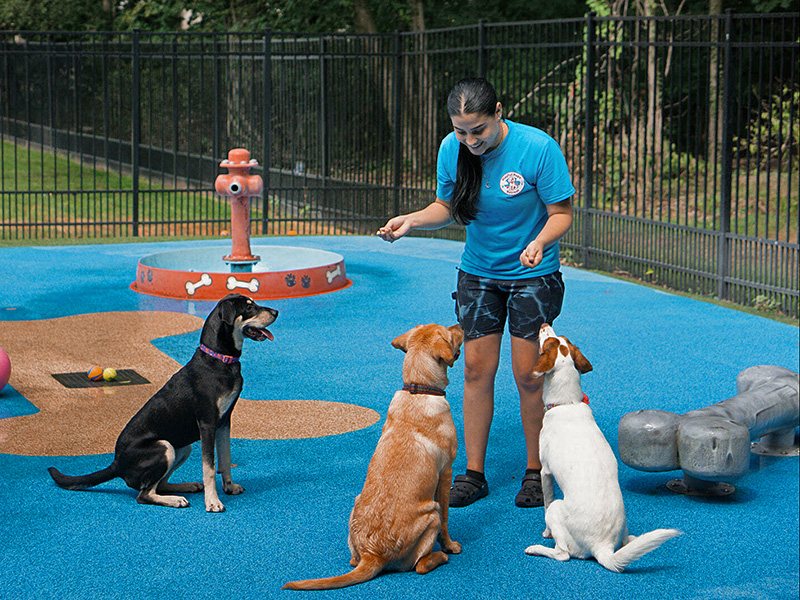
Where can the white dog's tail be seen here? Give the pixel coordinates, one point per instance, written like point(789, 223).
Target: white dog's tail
point(635, 548)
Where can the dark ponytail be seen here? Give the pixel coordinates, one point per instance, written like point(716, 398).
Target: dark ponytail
point(467, 189)
point(469, 96)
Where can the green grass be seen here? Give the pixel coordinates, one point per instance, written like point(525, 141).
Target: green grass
point(29, 168)
point(58, 190)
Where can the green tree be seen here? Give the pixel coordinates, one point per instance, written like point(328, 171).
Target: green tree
point(324, 16)
point(149, 15)
point(56, 15)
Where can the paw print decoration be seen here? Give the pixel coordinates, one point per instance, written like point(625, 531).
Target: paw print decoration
point(290, 280)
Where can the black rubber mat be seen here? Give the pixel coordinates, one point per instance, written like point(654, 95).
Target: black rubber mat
point(81, 380)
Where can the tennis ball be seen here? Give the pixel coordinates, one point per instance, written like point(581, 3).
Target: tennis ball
point(95, 373)
point(109, 374)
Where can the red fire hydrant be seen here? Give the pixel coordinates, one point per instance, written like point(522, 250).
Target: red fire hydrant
point(239, 185)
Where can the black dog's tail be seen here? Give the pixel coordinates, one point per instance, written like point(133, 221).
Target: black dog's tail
point(81, 482)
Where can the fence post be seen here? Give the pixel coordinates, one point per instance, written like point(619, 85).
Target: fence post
point(588, 151)
point(726, 170)
point(482, 48)
point(52, 90)
point(176, 133)
point(135, 129)
point(216, 143)
point(323, 122)
point(396, 118)
point(266, 158)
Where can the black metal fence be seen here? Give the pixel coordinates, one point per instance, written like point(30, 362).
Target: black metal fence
point(682, 135)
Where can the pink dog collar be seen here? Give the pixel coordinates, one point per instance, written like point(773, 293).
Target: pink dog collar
point(585, 400)
point(223, 357)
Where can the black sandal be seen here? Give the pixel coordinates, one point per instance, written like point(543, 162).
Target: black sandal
point(530, 496)
point(465, 490)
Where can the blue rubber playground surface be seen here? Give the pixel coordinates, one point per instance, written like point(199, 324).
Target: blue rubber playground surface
point(649, 349)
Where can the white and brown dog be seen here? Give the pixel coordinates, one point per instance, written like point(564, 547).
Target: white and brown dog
point(403, 508)
point(590, 520)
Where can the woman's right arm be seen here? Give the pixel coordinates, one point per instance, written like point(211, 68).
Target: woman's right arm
point(434, 216)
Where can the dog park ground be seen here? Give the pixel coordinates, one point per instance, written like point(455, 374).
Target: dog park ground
point(316, 398)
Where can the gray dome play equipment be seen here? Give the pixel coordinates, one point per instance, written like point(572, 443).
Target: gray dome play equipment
point(712, 445)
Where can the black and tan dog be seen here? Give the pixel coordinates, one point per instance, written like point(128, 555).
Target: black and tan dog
point(195, 404)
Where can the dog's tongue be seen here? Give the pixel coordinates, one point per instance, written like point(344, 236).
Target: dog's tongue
point(259, 335)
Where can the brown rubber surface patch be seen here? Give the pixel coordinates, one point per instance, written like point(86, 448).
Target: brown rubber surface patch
point(83, 421)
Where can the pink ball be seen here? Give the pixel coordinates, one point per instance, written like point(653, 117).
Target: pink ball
point(5, 368)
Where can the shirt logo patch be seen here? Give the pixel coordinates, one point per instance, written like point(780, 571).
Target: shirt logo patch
point(512, 183)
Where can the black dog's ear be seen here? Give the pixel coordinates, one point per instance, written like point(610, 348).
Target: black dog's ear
point(227, 310)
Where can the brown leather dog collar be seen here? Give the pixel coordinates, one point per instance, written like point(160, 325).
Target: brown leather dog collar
point(418, 388)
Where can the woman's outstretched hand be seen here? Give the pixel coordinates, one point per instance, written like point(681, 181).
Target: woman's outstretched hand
point(433, 216)
point(394, 229)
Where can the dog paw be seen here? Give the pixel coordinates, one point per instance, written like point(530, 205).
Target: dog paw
point(452, 548)
point(172, 501)
point(232, 489)
point(215, 507)
point(546, 534)
point(149, 497)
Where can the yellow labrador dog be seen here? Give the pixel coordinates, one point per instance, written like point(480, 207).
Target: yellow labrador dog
point(590, 520)
point(402, 509)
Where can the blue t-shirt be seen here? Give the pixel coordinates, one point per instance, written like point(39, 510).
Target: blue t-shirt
point(525, 172)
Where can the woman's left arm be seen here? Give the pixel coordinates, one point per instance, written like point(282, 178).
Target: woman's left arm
point(559, 220)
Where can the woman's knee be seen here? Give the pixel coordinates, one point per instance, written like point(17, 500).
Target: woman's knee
point(479, 371)
point(481, 359)
point(527, 381)
point(524, 354)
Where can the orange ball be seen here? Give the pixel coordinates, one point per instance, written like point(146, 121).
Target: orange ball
point(95, 373)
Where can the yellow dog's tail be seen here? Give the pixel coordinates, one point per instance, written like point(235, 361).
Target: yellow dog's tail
point(367, 569)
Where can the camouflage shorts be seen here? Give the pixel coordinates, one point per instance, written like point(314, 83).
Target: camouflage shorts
point(483, 305)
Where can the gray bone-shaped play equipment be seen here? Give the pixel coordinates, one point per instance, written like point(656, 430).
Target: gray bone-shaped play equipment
point(712, 445)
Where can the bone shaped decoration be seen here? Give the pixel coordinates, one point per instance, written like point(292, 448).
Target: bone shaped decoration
point(234, 283)
point(713, 444)
point(191, 288)
point(331, 275)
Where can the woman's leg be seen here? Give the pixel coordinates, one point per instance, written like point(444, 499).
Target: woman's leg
point(524, 354)
point(481, 358)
